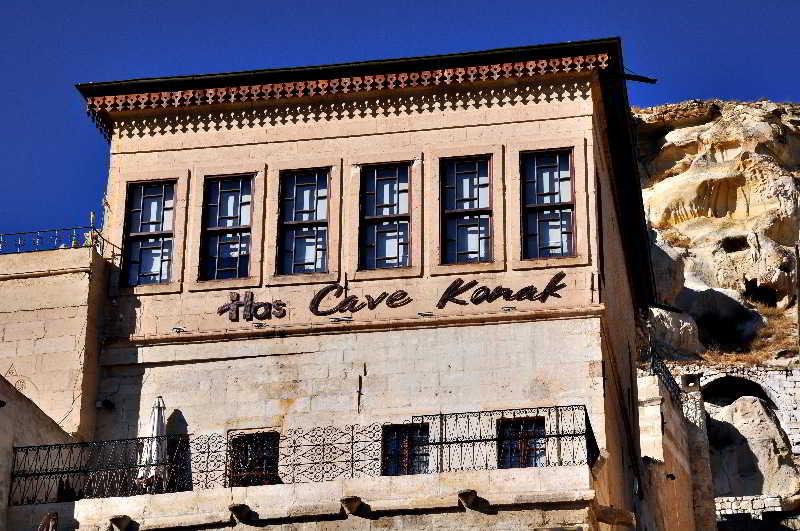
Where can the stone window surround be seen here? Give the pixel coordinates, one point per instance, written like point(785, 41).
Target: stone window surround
point(195, 215)
point(580, 178)
point(352, 218)
point(334, 164)
point(344, 211)
point(433, 214)
point(181, 180)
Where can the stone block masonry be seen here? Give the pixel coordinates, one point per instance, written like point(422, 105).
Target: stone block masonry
point(782, 386)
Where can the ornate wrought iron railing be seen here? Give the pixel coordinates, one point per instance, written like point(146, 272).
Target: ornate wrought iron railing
point(516, 438)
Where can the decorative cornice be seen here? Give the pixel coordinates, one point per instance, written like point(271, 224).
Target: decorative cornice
point(99, 106)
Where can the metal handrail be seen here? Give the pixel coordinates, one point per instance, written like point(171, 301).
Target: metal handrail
point(451, 442)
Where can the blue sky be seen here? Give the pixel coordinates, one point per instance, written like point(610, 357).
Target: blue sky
point(53, 164)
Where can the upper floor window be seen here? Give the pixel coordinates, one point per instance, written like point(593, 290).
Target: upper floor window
point(405, 449)
point(149, 216)
point(253, 459)
point(385, 220)
point(303, 238)
point(225, 242)
point(466, 210)
point(521, 442)
point(548, 205)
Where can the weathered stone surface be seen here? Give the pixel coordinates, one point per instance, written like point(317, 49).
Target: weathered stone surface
point(676, 329)
point(750, 454)
point(724, 176)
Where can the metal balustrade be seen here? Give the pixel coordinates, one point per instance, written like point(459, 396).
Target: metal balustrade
point(482, 440)
point(54, 239)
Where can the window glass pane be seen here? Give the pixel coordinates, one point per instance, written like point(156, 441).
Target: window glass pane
point(405, 449)
point(134, 218)
point(150, 261)
point(549, 233)
point(303, 238)
point(228, 208)
point(167, 225)
point(522, 443)
point(384, 192)
point(547, 178)
point(149, 208)
point(403, 190)
point(166, 259)
point(151, 213)
point(468, 239)
point(227, 203)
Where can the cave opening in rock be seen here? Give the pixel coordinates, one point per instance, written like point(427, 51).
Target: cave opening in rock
point(733, 244)
point(760, 294)
point(726, 390)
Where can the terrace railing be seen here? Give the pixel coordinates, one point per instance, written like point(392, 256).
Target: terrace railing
point(484, 440)
point(53, 239)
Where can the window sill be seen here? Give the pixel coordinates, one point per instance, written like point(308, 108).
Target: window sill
point(460, 269)
point(228, 283)
point(545, 263)
point(302, 278)
point(150, 289)
point(386, 274)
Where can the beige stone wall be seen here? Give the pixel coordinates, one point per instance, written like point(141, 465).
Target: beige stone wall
point(665, 446)
point(315, 380)
point(500, 120)
point(616, 482)
point(48, 328)
point(21, 423)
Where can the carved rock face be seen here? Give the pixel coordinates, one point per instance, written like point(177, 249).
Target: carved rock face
point(721, 182)
point(750, 453)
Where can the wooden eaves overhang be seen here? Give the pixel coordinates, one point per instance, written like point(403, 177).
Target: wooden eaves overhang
point(602, 56)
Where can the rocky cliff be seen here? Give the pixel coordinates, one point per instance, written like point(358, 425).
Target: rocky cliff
point(720, 184)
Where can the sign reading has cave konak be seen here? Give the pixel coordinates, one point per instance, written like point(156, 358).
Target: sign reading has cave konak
point(334, 299)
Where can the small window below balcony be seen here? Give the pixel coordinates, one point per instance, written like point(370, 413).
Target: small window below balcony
point(521, 443)
point(405, 449)
point(253, 459)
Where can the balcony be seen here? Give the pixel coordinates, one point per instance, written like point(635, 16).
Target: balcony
point(424, 445)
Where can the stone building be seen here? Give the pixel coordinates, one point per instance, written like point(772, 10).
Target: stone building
point(397, 293)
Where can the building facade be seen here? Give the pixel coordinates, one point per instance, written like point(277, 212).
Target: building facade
point(397, 293)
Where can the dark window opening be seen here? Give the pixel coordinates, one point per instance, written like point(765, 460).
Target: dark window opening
point(521, 443)
point(466, 210)
point(385, 220)
point(547, 205)
point(149, 215)
point(303, 218)
point(225, 242)
point(253, 459)
point(405, 449)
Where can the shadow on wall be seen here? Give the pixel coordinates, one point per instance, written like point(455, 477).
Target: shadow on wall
point(178, 453)
point(724, 391)
point(722, 320)
point(734, 466)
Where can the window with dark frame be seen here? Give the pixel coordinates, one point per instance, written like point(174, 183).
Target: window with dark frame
point(548, 204)
point(253, 459)
point(466, 210)
point(405, 449)
point(225, 239)
point(521, 442)
point(303, 218)
point(385, 220)
point(149, 216)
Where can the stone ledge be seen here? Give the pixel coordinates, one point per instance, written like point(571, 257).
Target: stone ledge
point(530, 486)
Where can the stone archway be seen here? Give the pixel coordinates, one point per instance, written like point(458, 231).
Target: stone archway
point(751, 454)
